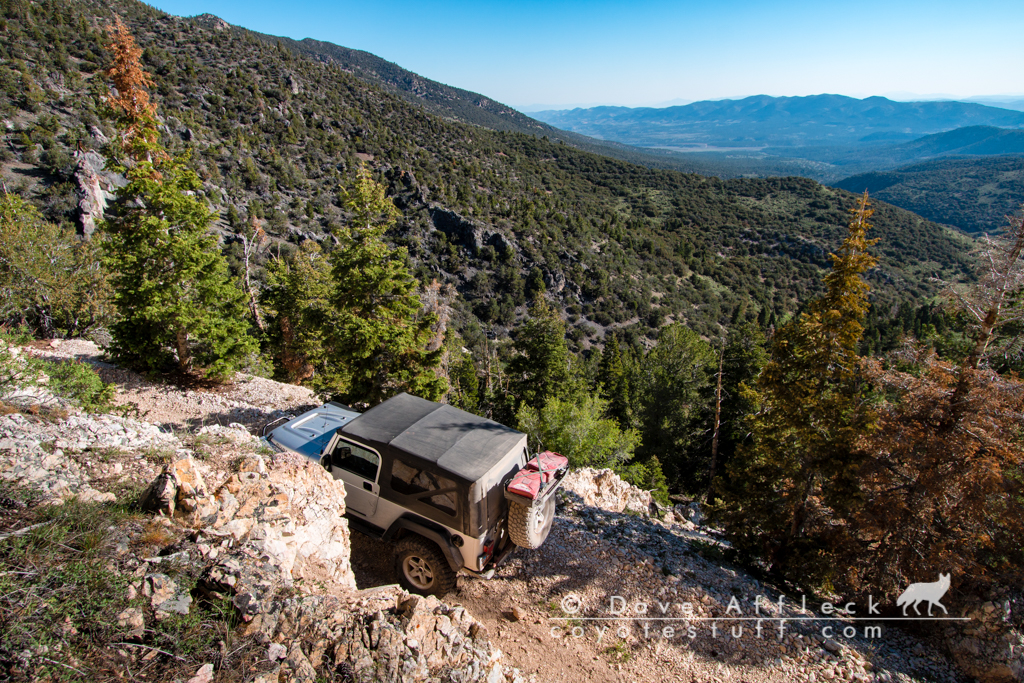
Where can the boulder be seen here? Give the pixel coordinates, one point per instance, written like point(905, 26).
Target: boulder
point(178, 486)
point(204, 675)
point(132, 622)
point(165, 596)
point(689, 512)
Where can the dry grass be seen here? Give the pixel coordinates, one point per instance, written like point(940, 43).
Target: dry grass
point(63, 584)
point(155, 534)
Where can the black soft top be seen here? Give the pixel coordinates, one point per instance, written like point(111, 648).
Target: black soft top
point(460, 443)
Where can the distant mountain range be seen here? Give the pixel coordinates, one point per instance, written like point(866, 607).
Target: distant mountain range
point(958, 163)
point(1016, 103)
point(762, 121)
point(976, 141)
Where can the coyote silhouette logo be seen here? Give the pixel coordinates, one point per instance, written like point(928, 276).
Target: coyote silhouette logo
point(924, 592)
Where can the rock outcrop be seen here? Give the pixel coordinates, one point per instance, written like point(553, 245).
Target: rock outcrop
point(265, 526)
point(95, 188)
point(468, 233)
point(987, 647)
point(273, 531)
point(606, 490)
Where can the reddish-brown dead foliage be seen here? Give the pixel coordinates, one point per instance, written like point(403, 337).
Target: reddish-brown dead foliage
point(131, 81)
point(941, 484)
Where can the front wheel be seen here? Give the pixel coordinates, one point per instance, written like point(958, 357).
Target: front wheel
point(421, 567)
point(529, 526)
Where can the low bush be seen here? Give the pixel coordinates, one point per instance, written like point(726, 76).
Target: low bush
point(78, 382)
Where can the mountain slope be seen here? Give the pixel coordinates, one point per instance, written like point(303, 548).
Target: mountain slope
point(974, 195)
point(469, 107)
point(499, 215)
point(969, 141)
point(437, 98)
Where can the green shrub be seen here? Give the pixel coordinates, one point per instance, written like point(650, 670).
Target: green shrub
point(578, 430)
point(78, 382)
point(648, 476)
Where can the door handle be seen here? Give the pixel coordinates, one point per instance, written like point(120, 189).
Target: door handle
point(368, 486)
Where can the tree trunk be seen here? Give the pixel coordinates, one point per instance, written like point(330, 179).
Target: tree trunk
point(184, 354)
point(718, 423)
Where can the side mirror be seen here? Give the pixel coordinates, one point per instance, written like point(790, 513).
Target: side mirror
point(325, 460)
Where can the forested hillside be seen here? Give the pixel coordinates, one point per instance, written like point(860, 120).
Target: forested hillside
point(470, 107)
point(277, 136)
point(973, 194)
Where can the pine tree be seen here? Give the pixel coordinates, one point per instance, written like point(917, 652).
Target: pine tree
point(673, 387)
point(800, 472)
point(613, 382)
point(540, 368)
point(177, 305)
point(296, 297)
point(464, 392)
point(742, 359)
point(48, 279)
point(378, 338)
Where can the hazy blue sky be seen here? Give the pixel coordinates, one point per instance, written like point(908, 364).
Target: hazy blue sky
point(571, 52)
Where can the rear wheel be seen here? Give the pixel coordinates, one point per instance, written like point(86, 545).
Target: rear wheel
point(529, 526)
point(421, 567)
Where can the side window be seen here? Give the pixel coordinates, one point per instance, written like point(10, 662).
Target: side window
point(355, 459)
point(433, 489)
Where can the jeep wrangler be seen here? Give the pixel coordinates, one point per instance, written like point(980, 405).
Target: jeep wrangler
point(453, 491)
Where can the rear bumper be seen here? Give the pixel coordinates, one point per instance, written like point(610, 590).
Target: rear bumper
point(494, 563)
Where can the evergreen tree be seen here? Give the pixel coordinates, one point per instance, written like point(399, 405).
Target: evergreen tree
point(673, 385)
point(297, 296)
point(464, 384)
point(613, 382)
point(48, 279)
point(800, 473)
point(540, 368)
point(377, 338)
point(742, 360)
point(176, 303)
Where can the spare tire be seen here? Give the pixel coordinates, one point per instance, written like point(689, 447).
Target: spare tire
point(529, 526)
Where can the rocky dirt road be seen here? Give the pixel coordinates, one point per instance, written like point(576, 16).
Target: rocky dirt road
point(250, 401)
point(594, 554)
